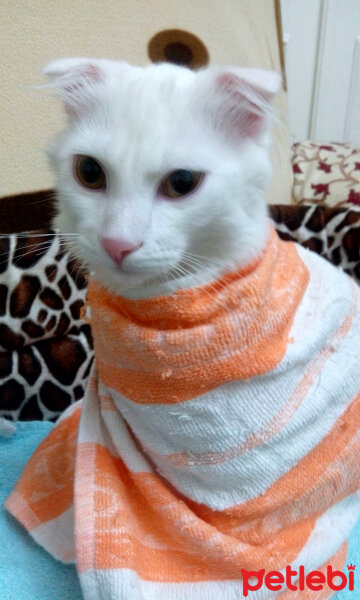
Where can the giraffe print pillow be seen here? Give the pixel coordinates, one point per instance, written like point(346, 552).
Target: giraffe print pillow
point(45, 346)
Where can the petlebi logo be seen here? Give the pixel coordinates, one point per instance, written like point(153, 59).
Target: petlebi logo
point(298, 580)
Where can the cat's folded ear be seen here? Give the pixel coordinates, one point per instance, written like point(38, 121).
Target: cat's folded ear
point(77, 81)
point(239, 100)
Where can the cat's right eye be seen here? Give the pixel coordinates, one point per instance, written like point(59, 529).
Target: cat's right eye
point(89, 172)
point(180, 183)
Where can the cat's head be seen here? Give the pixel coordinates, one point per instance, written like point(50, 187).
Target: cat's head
point(161, 170)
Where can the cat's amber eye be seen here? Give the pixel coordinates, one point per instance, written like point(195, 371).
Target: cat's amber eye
point(89, 172)
point(180, 183)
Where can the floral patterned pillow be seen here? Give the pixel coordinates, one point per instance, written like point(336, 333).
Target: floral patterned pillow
point(326, 174)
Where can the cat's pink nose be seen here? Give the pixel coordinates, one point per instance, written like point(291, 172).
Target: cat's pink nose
point(117, 249)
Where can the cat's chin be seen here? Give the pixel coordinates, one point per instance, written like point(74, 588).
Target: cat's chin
point(119, 281)
point(142, 286)
point(130, 282)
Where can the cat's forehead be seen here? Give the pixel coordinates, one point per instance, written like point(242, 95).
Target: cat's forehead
point(163, 101)
point(142, 96)
point(139, 112)
point(159, 76)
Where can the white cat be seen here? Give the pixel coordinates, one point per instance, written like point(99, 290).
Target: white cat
point(218, 438)
point(162, 170)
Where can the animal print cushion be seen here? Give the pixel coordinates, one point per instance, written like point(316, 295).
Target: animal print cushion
point(45, 346)
point(332, 232)
point(326, 174)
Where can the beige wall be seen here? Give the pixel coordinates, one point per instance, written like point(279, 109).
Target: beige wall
point(33, 32)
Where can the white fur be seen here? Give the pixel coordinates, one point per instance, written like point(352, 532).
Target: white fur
point(141, 123)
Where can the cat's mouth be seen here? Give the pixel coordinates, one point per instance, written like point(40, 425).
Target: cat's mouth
point(130, 278)
point(132, 275)
point(147, 275)
point(181, 271)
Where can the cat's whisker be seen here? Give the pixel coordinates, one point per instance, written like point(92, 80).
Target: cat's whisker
point(3, 262)
point(53, 272)
point(69, 246)
point(19, 252)
point(197, 264)
point(215, 296)
point(25, 234)
point(78, 269)
point(203, 264)
point(35, 233)
point(31, 249)
point(204, 258)
point(181, 271)
point(40, 201)
point(17, 255)
point(76, 256)
point(63, 235)
point(163, 277)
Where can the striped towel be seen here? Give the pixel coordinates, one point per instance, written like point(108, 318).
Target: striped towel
point(219, 433)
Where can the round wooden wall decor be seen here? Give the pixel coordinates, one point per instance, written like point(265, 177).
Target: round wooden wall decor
point(178, 47)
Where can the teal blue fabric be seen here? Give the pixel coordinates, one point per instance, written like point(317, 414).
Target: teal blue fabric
point(354, 558)
point(27, 572)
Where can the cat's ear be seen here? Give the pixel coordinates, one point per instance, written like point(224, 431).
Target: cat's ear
point(239, 100)
point(77, 81)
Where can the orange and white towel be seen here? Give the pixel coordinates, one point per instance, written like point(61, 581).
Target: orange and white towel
point(219, 432)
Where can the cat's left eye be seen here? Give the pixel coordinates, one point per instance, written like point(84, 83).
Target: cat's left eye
point(89, 172)
point(180, 183)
